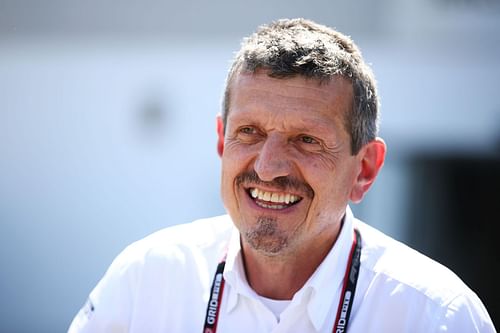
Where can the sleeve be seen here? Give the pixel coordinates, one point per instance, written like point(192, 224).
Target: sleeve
point(466, 313)
point(109, 305)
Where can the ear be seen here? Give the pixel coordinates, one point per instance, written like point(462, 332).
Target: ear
point(220, 135)
point(372, 157)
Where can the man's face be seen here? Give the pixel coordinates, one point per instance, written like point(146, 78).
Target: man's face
point(287, 170)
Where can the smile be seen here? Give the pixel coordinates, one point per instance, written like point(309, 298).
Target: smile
point(273, 200)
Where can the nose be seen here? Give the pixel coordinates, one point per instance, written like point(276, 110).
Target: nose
point(273, 159)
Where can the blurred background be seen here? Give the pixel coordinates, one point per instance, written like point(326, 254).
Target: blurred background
point(107, 132)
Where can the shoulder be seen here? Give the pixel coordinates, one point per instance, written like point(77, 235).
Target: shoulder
point(168, 258)
point(201, 233)
point(175, 245)
point(200, 236)
point(399, 278)
point(144, 275)
point(387, 257)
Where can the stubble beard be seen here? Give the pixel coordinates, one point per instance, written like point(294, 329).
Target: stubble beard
point(266, 237)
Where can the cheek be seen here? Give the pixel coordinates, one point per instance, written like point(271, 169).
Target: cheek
point(237, 158)
point(228, 175)
point(332, 186)
point(232, 166)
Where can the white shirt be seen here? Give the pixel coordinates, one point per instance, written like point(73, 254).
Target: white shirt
point(162, 284)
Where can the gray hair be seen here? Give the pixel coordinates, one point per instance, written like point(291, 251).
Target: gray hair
point(291, 47)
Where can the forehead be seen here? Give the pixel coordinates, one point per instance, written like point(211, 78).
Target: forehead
point(252, 94)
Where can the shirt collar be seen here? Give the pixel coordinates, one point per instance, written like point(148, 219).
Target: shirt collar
point(324, 281)
point(234, 272)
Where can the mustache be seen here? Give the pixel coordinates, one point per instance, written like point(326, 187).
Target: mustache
point(283, 183)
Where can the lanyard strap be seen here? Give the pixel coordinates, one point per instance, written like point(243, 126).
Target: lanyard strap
point(346, 297)
point(215, 300)
point(349, 288)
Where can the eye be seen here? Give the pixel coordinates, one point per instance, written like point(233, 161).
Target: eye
point(247, 130)
point(308, 139)
point(248, 134)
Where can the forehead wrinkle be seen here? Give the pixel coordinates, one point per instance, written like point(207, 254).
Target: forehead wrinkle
point(255, 106)
point(281, 87)
point(256, 97)
point(330, 95)
point(263, 99)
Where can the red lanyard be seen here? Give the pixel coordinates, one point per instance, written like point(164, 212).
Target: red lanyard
point(343, 309)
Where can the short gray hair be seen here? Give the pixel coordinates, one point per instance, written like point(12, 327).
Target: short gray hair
point(299, 47)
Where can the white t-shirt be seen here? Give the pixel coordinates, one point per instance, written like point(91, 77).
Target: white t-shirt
point(162, 284)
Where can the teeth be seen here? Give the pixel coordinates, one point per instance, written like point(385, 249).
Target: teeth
point(280, 198)
point(275, 206)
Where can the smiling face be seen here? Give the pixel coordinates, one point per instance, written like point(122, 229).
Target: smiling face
point(287, 168)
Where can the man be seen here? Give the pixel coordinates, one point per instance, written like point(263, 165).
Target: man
point(297, 139)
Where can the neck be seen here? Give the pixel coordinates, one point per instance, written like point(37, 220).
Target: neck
point(279, 277)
